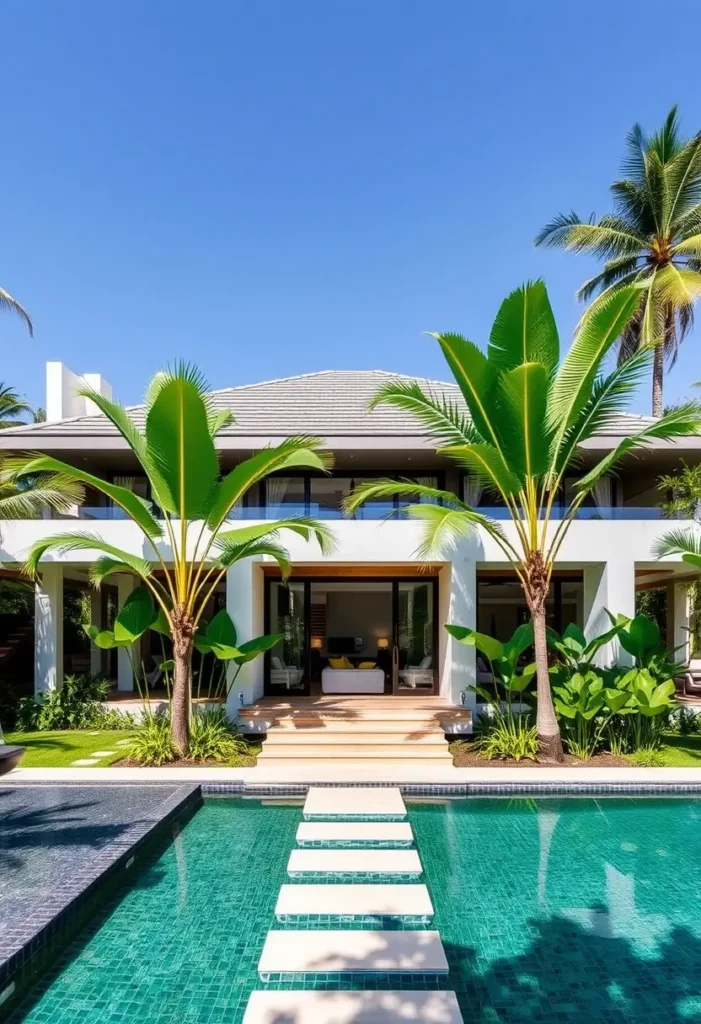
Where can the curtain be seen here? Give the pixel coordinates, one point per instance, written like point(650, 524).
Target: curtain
point(126, 481)
point(275, 489)
point(426, 481)
point(602, 492)
point(472, 491)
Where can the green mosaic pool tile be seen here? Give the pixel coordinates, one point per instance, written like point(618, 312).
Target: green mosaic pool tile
point(555, 910)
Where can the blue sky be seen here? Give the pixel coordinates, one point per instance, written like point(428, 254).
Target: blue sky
point(271, 187)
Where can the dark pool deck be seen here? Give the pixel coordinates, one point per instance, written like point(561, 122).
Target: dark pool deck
point(58, 845)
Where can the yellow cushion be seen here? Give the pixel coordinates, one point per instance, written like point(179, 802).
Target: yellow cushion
point(338, 662)
point(366, 664)
point(346, 662)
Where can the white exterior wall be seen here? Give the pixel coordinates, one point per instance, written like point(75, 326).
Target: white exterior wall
point(607, 552)
point(48, 629)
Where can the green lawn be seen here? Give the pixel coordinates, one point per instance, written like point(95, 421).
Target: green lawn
point(681, 751)
point(61, 749)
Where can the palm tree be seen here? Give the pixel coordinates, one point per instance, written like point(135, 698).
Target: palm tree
point(190, 547)
point(11, 305)
point(528, 415)
point(653, 237)
point(11, 407)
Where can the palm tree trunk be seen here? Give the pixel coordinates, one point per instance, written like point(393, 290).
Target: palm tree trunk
point(658, 379)
point(183, 633)
point(549, 742)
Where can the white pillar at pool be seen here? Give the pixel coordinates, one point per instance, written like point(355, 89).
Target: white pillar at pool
point(125, 673)
point(95, 620)
point(244, 603)
point(457, 603)
point(48, 629)
point(608, 586)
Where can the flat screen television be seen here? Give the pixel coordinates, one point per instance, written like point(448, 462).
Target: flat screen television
point(341, 645)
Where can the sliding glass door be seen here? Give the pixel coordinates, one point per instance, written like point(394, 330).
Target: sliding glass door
point(332, 624)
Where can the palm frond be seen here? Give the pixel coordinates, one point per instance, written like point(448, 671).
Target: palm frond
point(683, 177)
point(686, 543)
point(64, 543)
point(445, 422)
point(304, 526)
point(11, 305)
point(219, 421)
point(444, 527)
point(231, 553)
point(28, 498)
point(375, 490)
point(625, 270)
point(556, 233)
point(608, 238)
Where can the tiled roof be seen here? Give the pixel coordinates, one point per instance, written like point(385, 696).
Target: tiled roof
point(329, 403)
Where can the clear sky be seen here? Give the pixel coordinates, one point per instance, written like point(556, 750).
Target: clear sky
point(270, 187)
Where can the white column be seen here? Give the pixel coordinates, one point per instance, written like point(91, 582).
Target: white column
point(680, 638)
point(95, 620)
point(125, 675)
point(608, 586)
point(244, 603)
point(48, 629)
point(457, 604)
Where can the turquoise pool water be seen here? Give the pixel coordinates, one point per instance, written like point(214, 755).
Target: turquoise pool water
point(550, 910)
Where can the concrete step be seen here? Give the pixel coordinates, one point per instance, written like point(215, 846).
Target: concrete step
point(356, 734)
point(328, 833)
point(352, 952)
point(273, 763)
point(338, 726)
point(352, 752)
point(353, 802)
point(325, 1007)
point(356, 900)
point(353, 862)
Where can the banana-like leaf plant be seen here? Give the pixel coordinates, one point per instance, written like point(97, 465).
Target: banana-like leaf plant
point(189, 548)
point(526, 414)
point(503, 658)
point(578, 653)
point(219, 639)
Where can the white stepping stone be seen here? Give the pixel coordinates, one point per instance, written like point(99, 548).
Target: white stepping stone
point(352, 1007)
point(353, 802)
point(352, 952)
point(311, 833)
point(394, 900)
point(103, 753)
point(123, 743)
point(84, 762)
point(346, 862)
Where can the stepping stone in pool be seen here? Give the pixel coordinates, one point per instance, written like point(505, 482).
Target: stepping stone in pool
point(351, 952)
point(353, 862)
point(84, 762)
point(357, 833)
point(352, 1007)
point(349, 901)
point(354, 802)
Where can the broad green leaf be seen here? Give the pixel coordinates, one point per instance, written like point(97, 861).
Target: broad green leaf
point(252, 649)
point(135, 616)
point(476, 378)
point(160, 623)
point(524, 330)
point(486, 463)
point(642, 635)
point(471, 638)
point(180, 444)
point(522, 399)
point(221, 630)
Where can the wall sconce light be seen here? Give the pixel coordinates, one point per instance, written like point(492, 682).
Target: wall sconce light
point(382, 643)
point(316, 643)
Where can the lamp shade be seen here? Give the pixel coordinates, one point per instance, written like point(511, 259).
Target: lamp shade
point(316, 643)
point(382, 642)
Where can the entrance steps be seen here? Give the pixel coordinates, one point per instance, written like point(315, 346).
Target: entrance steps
point(327, 1007)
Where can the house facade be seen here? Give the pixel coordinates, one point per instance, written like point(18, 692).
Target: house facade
point(372, 602)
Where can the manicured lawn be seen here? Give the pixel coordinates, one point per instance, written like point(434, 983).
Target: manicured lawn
point(61, 749)
point(681, 751)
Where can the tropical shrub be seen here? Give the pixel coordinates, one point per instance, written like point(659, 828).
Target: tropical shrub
point(212, 737)
point(77, 704)
point(647, 757)
point(504, 731)
point(686, 722)
point(580, 701)
point(152, 745)
point(528, 414)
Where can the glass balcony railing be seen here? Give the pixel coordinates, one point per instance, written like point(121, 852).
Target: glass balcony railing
point(373, 513)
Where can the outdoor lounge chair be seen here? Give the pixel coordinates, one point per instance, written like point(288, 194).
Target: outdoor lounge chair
point(417, 676)
point(285, 675)
point(689, 682)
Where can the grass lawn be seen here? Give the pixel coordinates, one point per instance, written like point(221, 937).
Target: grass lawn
point(61, 749)
point(681, 751)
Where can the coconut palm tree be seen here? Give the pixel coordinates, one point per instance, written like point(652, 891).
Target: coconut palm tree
point(11, 407)
point(190, 547)
point(528, 413)
point(11, 305)
point(653, 236)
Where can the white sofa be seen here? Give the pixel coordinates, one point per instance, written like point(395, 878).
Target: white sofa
point(352, 680)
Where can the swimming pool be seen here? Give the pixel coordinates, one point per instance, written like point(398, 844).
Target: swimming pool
point(550, 910)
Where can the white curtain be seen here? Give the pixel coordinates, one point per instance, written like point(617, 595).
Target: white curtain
point(126, 481)
point(275, 490)
point(602, 492)
point(426, 481)
point(472, 491)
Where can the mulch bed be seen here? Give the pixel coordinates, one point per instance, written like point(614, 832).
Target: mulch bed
point(244, 762)
point(465, 757)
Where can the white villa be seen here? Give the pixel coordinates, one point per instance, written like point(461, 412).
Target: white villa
point(372, 600)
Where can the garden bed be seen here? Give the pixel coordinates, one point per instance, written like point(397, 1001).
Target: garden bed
point(465, 756)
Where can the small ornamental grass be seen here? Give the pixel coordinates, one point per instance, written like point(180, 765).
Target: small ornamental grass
point(212, 738)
